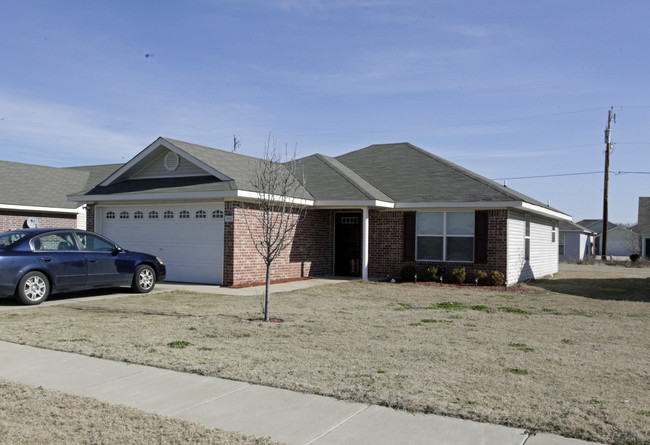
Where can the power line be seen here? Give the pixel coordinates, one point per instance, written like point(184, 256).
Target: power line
point(600, 172)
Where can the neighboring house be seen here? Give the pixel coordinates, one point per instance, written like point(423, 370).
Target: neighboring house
point(369, 213)
point(576, 242)
point(34, 195)
point(621, 241)
point(643, 226)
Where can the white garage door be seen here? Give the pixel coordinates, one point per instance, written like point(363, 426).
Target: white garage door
point(188, 238)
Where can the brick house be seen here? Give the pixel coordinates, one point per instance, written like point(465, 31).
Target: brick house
point(369, 213)
point(34, 195)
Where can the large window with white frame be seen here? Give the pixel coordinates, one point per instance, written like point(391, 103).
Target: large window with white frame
point(445, 236)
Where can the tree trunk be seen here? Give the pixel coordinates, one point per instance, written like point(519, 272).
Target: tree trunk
point(267, 291)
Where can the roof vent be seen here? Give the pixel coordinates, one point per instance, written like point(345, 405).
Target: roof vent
point(172, 160)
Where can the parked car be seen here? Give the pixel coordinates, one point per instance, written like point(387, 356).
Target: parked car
point(35, 263)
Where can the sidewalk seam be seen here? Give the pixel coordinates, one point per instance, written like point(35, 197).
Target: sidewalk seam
point(342, 422)
point(221, 396)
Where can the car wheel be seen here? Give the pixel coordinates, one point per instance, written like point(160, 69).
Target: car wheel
point(33, 288)
point(144, 279)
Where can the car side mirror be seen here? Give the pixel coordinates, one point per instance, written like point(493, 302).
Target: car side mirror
point(116, 250)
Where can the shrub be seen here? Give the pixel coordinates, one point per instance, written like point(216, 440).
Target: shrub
point(408, 272)
point(482, 277)
point(635, 257)
point(458, 275)
point(496, 278)
point(432, 273)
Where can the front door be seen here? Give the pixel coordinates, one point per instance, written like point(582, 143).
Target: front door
point(347, 244)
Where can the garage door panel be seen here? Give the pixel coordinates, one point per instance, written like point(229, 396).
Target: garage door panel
point(191, 247)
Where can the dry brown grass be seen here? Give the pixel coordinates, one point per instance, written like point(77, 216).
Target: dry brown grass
point(37, 416)
point(565, 363)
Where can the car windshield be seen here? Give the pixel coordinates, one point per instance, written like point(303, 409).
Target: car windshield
point(8, 239)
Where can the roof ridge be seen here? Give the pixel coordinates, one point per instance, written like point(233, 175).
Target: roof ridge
point(347, 173)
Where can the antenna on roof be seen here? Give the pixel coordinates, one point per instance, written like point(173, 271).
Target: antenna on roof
point(235, 144)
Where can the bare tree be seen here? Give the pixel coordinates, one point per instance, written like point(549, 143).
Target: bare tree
point(281, 204)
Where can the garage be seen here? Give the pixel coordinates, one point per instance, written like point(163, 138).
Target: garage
point(188, 238)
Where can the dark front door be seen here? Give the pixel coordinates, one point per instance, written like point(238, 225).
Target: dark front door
point(347, 244)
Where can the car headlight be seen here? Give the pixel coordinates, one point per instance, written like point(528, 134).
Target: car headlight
point(160, 261)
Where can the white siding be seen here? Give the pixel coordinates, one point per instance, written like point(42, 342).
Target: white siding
point(543, 249)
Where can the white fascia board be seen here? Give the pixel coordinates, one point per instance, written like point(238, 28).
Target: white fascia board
point(256, 196)
point(41, 209)
point(375, 203)
point(486, 205)
point(153, 196)
point(454, 205)
point(154, 146)
point(546, 212)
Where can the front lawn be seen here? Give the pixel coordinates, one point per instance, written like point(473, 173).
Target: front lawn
point(542, 360)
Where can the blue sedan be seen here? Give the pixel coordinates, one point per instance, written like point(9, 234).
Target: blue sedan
point(35, 263)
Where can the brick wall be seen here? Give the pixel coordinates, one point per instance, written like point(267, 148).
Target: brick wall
point(309, 252)
point(386, 246)
point(12, 220)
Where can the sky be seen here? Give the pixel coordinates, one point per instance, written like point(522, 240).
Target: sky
point(507, 89)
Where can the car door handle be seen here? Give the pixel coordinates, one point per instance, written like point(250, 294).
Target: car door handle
point(47, 260)
point(92, 261)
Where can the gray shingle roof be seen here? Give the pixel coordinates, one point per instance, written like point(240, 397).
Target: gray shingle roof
point(328, 179)
point(568, 226)
point(39, 186)
point(407, 173)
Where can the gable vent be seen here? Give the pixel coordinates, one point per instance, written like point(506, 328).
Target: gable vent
point(172, 160)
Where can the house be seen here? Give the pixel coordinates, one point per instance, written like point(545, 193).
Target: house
point(369, 213)
point(621, 241)
point(576, 242)
point(34, 195)
point(643, 226)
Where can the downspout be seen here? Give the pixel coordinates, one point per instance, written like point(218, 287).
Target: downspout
point(364, 244)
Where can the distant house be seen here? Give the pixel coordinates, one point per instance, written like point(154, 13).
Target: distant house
point(35, 195)
point(643, 226)
point(576, 242)
point(621, 241)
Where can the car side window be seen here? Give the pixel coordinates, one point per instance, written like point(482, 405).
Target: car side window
point(54, 242)
point(93, 243)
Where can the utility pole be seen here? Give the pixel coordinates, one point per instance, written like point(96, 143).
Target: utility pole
point(608, 146)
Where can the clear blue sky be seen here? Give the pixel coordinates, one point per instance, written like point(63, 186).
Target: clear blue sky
point(504, 88)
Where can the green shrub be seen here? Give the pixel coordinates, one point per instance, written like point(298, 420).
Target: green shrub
point(458, 275)
point(432, 273)
point(408, 272)
point(496, 278)
point(482, 277)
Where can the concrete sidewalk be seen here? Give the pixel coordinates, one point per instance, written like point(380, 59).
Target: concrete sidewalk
point(285, 416)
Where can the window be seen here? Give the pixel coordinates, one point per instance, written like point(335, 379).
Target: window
point(445, 236)
point(553, 233)
point(138, 215)
point(184, 214)
point(124, 215)
point(93, 243)
point(200, 214)
point(54, 242)
point(110, 214)
point(561, 246)
point(527, 239)
point(217, 214)
point(153, 215)
point(168, 214)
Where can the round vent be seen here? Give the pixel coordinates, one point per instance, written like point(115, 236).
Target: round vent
point(171, 161)
point(32, 223)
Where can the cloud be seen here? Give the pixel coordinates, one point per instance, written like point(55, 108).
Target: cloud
point(31, 129)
